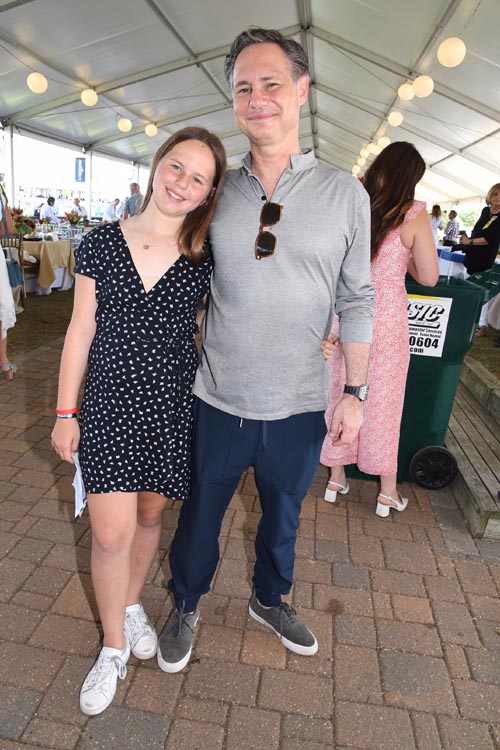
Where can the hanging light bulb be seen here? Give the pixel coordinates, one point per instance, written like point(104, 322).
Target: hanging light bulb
point(361, 161)
point(364, 153)
point(124, 124)
point(395, 118)
point(37, 83)
point(383, 141)
point(356, 169)
point(377, 149)
point(451, 52)
point(89, 97)
point(423, 86)
point(151, 129)
point(405, 92)
point(371, 148)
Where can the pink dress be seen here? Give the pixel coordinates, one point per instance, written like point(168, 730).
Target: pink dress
point(376, 449)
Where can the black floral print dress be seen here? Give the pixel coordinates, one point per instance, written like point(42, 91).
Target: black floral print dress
point(136, 418)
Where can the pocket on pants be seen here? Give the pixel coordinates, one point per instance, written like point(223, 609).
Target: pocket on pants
point(212, 442)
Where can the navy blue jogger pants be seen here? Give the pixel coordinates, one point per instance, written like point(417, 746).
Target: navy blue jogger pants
point(285, 454)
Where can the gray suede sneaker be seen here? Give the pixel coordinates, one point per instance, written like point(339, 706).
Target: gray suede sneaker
point(283, 620)
point(176, 640)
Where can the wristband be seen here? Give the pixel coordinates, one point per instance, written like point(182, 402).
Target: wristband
point(62, 412)
point(66, 416)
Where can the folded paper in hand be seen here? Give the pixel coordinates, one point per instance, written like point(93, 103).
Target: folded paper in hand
point(80, 494)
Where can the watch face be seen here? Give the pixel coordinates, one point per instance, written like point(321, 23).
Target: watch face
point(363, 392)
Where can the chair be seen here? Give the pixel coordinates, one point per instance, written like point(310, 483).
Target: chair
point(16, 243)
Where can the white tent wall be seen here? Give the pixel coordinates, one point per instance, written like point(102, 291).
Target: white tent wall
point(161, 62)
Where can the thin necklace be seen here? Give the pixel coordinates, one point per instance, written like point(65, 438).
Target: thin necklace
point(147, 247)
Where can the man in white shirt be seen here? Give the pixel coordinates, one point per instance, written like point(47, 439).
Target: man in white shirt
point(79, 209)
point(110, 212)
point(48, 213)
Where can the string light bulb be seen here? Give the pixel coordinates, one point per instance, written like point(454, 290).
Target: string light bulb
point(451, 52)
point(89, 97)
point(395, 118)
point(37, 83)
point(356, 169)
point(405, 92)
point(361, 161)
point(364, 153)
point(423, 86)
point(151, 129)
point(383, 141)
point(124, 124)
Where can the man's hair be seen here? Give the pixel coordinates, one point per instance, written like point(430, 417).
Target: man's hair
point(134, 186)
point(255, 35)
point(51, 200)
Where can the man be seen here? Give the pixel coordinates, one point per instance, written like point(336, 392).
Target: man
point(109, 214)
point(262, 386)
point(132, 204)
point(79, 209)
point(48, 213)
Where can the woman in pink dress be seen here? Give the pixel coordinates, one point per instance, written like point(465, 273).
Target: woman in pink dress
point(401, 242)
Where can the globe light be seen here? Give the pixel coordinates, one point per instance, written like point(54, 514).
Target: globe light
point(124, 124)
point(356, 169)
point(395, 118)
point(89, 97)
point(405, 92)
point(37, 83)
point(423, 86)
point(383, 141)
point(364, 153)
point(377, 150)
point(361, 161)
point(151, 129)
point(371, 148)
point(451, 52)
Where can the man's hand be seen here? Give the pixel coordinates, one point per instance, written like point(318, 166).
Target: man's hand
point(346, 420)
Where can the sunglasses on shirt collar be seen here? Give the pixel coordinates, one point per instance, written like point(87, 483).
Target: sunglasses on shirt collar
point(265, 244)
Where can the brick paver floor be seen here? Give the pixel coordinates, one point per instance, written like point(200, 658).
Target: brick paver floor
point(406, 612)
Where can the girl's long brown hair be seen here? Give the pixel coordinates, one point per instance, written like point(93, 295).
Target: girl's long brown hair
point(390, 182)
point(194, 228)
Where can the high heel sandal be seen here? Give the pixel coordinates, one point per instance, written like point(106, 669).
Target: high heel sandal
point(399, 504)
point(331, 495)
point(8, 369)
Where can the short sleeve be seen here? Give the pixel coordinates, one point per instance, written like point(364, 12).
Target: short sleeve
point(206, 273)
point(87, 256)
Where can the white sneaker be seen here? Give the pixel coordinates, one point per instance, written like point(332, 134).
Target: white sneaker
point(99, 687)
point(140, 632)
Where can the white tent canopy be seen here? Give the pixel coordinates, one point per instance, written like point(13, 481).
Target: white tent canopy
point(161, 62)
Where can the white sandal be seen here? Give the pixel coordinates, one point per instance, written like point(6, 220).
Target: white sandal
point(399, 504)
point(331, 495)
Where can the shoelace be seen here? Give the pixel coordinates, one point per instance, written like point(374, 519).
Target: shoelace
point(177, 622)
point(137, 622)
point(104, 664)
point(286, 613)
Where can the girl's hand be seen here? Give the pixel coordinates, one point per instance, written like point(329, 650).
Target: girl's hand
point(328, 346)
point(65, 438)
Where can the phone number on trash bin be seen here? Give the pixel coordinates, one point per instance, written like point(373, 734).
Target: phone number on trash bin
point(418, 344)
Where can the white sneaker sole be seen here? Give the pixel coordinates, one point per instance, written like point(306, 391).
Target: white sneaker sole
point(145, 654)
point(295, 647)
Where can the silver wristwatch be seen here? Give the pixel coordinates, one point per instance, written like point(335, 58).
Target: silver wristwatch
point(360, 391)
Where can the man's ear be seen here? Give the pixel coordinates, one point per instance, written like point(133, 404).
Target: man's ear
point(303, 88)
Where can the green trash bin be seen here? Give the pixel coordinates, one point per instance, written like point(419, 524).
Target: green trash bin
point(442, 322)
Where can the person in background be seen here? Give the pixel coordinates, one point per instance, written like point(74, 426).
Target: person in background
point(133, 203)
point(452, 231)
point(290, 241)
point(47, 212)
point(7, 305)
point(36, 212)
point(436, 222)
point(77, 208)
point(481, 248)
point(401, 242)
point(137, 288)
point(109, 214)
